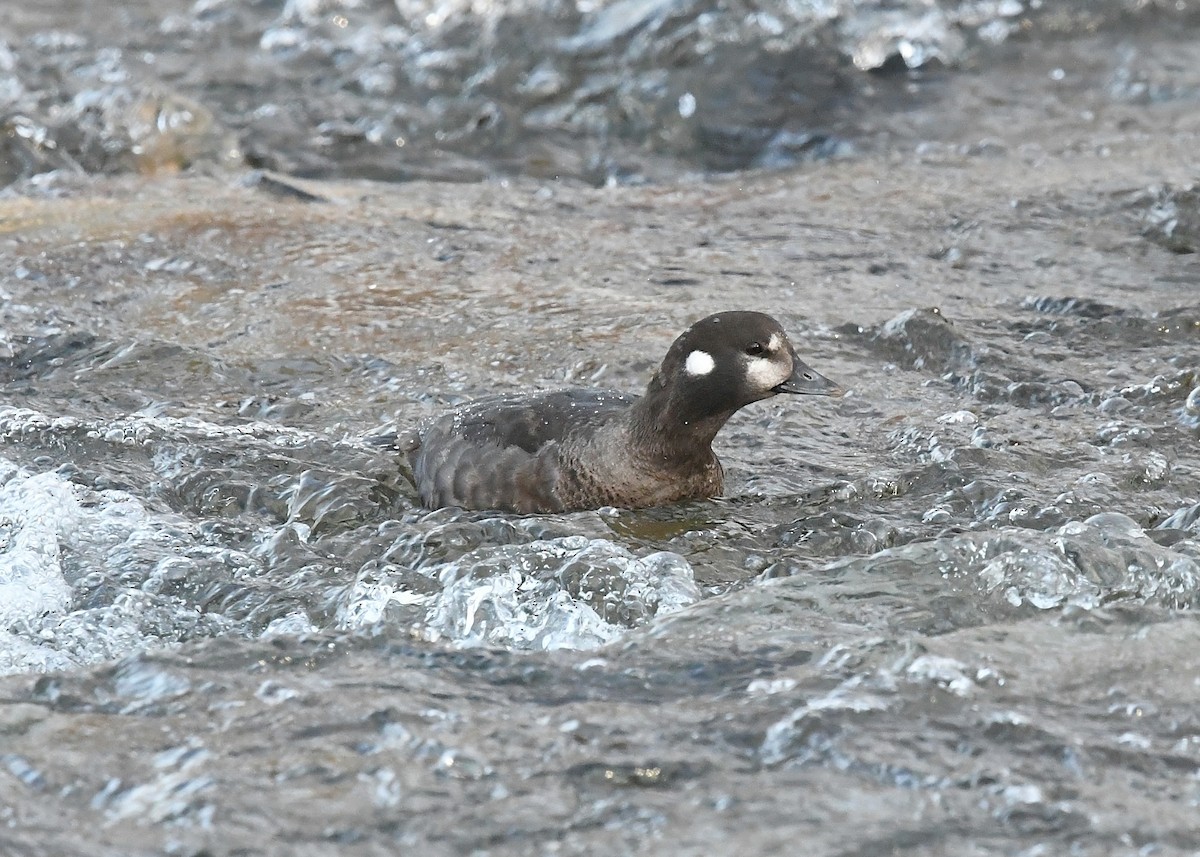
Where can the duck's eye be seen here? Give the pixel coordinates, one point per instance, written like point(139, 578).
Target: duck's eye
point(754, 349)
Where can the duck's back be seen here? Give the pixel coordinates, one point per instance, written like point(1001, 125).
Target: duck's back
point(502, 452)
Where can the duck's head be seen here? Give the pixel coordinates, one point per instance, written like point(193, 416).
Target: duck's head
point(730, 359)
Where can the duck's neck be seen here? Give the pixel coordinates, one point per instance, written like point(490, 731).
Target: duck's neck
point(672, 432)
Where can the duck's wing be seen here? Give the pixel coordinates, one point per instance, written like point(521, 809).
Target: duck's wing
point(499, 452)
point(530, 422)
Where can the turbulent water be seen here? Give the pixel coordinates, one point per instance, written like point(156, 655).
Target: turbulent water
point(602, 92)
point(952, 613)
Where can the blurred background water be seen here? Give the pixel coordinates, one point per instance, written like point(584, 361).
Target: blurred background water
point(599, 92)
point(952, 613)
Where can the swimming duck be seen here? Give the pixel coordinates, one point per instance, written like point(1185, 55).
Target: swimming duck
point(583, 449)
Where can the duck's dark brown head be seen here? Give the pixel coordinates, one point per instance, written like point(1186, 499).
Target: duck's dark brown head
point(728, 360)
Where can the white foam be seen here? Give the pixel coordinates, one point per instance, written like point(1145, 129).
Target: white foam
point(567, 593)
point(57, 536)
point(34, 513)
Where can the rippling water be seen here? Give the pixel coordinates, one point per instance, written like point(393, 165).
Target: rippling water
point(615, 92)
point(951, 613)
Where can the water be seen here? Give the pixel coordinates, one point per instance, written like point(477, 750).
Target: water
point(619, 92)
point(951, 613)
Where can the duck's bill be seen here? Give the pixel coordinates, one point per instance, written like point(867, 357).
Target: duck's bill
point(804, 381)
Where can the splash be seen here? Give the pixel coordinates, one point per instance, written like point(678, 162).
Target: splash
point(565, 593)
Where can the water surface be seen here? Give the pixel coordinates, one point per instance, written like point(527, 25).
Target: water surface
point(951, 613)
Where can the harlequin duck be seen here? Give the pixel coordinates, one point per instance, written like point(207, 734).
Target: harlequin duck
point(583, 449)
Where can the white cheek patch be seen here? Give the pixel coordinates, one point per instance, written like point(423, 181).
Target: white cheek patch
point(698, 363)
point(765, 374)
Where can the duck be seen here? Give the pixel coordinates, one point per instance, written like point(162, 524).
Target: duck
point(579, 449)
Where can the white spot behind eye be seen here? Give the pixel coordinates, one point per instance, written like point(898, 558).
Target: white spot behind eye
point(699, 363)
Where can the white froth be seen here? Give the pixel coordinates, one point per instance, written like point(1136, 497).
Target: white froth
point(55, 537)
point(699, 363)
point(37, 512)
point(531, 596)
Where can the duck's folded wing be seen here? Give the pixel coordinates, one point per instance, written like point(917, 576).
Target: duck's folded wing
point(531, 422)
point(500, 453)
point(452, 471)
